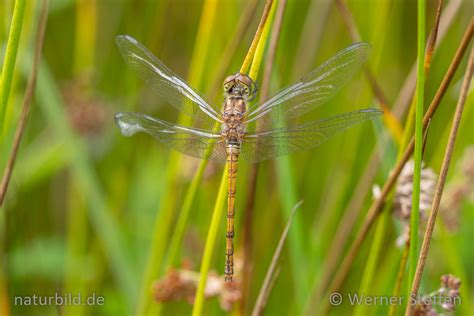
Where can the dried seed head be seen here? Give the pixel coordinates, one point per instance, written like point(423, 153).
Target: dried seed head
point(402, 203)
point(424, 308)
point(446, 297)
point(174, 286)
point(450, 281)
point(86, 113)
point(404, 190)
point(181, 285)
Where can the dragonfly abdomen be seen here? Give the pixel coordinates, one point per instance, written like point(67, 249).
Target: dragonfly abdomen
point(233, 152)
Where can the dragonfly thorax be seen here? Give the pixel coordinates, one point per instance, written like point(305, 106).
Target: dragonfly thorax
point(233, 133)
point(233, 112)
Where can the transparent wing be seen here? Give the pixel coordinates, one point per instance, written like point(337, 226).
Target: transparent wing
point(190, 141)
point(258, 146)
point(315, 88)
point(164, 82)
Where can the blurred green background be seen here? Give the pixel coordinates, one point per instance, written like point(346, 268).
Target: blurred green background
point(87, 208)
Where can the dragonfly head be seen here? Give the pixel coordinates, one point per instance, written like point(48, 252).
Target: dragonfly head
point(240, 85)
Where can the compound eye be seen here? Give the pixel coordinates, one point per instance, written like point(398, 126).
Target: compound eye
point(245, 80)
point(227, 86)
point(246, 90)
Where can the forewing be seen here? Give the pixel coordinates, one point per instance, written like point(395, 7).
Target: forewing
point(190, 141)
point(315, 88)
point(258, 146)
point(164, 82)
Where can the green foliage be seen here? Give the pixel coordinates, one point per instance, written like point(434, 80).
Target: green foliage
point(88, 210)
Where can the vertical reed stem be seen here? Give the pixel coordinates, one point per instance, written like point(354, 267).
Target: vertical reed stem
point(10, 59)
point(420, 93)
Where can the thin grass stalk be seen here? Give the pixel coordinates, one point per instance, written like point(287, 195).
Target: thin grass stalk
point(269, 276)
point(298, 260)
point(376, 206)
point(353, 206)
point(380, 231)
point(10, 59)
point(417, 156)
point(441, 182)
point(405, 253)
point(210, 242)
point(351, 211)
point(160, 239)
point(250, 203)
point(189, 198)
point(26, 102)
point(432, 38)
point(253, 46)
point(394, 126)
point(398, 283)
point(408, 88)
point(260, 49)
point(261, 36)
point(431, 45)
point(191, 193)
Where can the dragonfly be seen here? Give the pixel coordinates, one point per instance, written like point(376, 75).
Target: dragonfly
point(251, 132)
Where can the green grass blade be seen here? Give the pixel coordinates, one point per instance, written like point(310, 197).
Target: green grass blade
point(420, 97)
point(10, 59)
point(210, 242)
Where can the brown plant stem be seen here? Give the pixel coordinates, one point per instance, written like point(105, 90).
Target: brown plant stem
point(30, 89)
point(352, 209)
point(252, 186)
point(377, 205)
point(430, 47)
point(441, 181)
point(408, 87)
